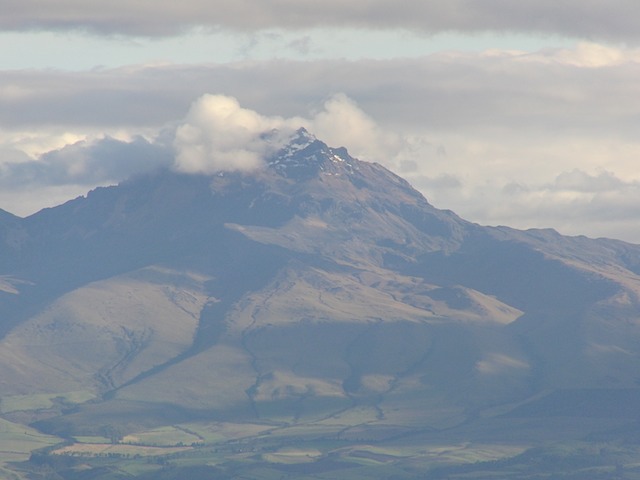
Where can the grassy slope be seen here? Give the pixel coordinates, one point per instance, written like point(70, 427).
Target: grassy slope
point(16, 444)
point(103, 334)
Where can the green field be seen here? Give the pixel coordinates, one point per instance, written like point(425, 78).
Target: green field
point(349, 443)
point(16, 403)
point(164, 437)
point(16, 444)
point(264, 451)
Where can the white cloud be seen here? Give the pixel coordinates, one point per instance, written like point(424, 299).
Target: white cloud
point(586, 54)
point(31, 144)
point(342, 123)
point(220, 135)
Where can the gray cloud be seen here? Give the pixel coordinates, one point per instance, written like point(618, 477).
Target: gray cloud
point(480, 91)
point(440, 182)
point(575, 203)
point(131, 96)
point(615, 19)
point(578, 181)
point(86, 163)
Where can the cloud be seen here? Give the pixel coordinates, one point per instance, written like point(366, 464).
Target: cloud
point(578, 181)
point(97, 98)
point(585, 54)
point(217, 134)
point(220, 135)
point(30, 183)
point(342, 122)
point(440, 182)
point(575, 202)
point(615, 19)
point(540, 92)
point(576, 194)
point(86, 163)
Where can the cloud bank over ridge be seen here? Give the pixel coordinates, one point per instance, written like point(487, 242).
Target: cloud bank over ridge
point(219, 134)
point(216, 134)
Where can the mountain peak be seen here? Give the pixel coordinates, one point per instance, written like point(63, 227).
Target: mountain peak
point(302, 138)
point(305, 157)
point(298, 141)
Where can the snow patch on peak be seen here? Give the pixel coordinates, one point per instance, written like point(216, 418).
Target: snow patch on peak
point(303, 137)
point(305, 157)
point(299, 141)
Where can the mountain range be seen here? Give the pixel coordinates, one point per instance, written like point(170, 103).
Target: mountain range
point(317, 298)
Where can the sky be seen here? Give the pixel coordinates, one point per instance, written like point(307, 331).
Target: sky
point(523, 113)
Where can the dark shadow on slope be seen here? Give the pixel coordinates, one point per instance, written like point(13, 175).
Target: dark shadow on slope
point(163, 218)
point(116, 418)
point(584, 402)
point(514, 273)
point(239, 266)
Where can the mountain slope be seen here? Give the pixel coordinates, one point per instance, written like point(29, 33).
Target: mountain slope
point(317, 285)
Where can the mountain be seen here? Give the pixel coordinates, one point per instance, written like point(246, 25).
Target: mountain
point(319, 297)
